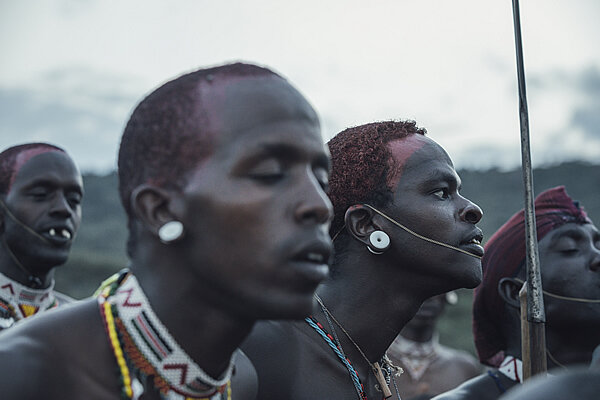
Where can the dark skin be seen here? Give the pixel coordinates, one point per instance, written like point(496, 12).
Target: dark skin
point(273, 199)
point(374, 296)
point(46, 194)
point(577, 383)
point(449, 367)
point(570, 266)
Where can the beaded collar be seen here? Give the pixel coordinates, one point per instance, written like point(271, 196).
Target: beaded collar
point(415, 356)
point(512, 368)
point(19, 302)
point(144, 348)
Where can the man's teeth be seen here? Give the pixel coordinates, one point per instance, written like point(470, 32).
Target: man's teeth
point(315, 257)
point(64, 233)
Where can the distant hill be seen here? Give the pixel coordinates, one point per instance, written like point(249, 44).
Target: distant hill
point(99, 249)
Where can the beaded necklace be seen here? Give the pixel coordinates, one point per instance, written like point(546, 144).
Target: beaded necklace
point(384, 373)
point(144, 348)
point(358, 386)
point(19, 302)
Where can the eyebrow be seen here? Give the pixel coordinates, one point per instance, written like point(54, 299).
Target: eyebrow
point(575, 234)
point(47, 182)
point(445, 176)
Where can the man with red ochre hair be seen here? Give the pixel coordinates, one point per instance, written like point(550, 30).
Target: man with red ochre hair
point(569, 249)
point(384, 174)
point(40, 212)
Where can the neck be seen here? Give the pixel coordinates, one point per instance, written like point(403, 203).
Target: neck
point(371, 310)
point(183, 311)
point(13, 268)
point(570, 346)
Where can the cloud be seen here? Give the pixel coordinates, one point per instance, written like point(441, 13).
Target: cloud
point(586, 116)
point(78, 109)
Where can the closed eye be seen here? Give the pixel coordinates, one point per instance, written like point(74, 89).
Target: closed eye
point(39, 194)
point(267, 179)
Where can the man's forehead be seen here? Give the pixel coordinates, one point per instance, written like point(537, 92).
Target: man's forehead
point(571, 229)
point(46, 166)
point(238, 104)
point(26, 155)
point(23, 157)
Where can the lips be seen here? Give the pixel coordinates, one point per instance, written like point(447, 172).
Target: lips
point(57, 235)
point(311, 260)
point(472, 243)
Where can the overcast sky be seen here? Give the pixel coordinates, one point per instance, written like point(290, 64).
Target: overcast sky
point(72, 70)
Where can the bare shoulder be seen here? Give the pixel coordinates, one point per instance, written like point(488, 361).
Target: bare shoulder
point(270, 336)
point(272, 347)
point(55, 354)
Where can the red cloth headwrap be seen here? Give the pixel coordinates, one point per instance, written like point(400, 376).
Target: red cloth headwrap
point(504, 257)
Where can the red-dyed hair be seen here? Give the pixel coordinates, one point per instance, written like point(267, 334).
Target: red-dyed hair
point(361, 164)
point(10, 165)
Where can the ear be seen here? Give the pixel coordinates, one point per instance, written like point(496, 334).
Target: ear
point(508, 289)
point(152, 206)
point(359, 222)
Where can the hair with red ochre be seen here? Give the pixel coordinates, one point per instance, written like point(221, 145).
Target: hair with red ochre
point(167, 134)
point(8, 162)
point(361, 161)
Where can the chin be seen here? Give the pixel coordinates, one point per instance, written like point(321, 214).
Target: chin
point(470, 278)
point(474, 279)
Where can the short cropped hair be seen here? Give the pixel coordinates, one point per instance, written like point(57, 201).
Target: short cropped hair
point(360, 159)
point(10, 163)
point(169, 132)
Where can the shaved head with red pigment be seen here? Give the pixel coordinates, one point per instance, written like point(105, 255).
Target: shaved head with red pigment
point(367, 162)
point(13, 158)
point(171, 131)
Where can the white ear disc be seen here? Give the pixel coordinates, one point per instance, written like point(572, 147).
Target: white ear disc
point(170, 232)
point(379, 240)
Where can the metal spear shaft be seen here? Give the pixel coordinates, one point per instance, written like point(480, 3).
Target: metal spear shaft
point(536, 316)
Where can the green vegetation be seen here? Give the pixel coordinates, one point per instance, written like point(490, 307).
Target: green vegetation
point(99, 249)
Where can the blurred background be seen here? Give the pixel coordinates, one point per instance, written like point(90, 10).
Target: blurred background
point(72, 71)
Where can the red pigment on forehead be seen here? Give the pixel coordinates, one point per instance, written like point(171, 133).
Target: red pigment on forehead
point(26, 155)
point(214, 94)
point(402, 150)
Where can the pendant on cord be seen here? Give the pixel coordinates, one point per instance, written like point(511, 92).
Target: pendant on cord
point(387, 393)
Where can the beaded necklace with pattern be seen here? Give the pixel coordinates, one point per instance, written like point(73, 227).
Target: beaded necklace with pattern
point(19, 302)
point(144, 348)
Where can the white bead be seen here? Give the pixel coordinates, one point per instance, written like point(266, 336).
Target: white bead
point(379, 240)
point(170, 231)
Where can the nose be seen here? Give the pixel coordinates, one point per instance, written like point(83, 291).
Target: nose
point(314, 205)
point(60, 206)
point(471, 212)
